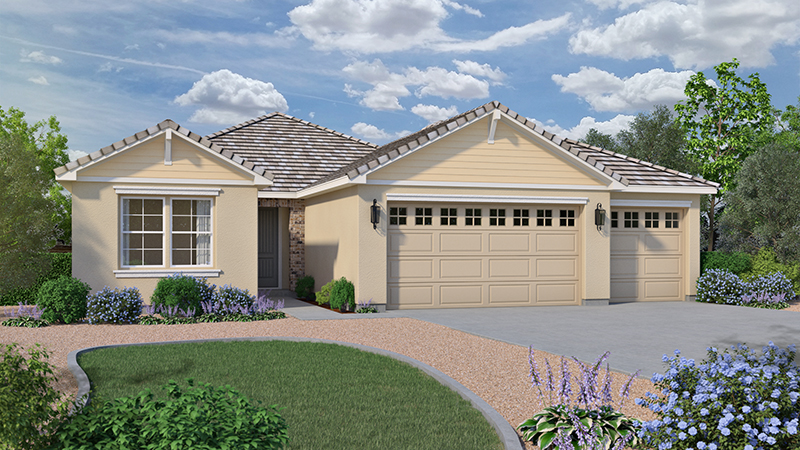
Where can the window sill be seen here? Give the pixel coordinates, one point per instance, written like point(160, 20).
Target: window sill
point(161, 273)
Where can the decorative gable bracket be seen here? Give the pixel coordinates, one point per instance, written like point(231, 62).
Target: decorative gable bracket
point(493, 125)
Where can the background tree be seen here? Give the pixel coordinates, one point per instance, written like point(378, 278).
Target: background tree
point(762, 208)
point(26, 214)
point(721, 125)
point(788, 130)
point(48, 149)
point(602, 140)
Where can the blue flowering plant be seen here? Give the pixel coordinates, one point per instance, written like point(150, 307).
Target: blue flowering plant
point(591, 423)
point(117, 306)
point(217, 309)
point(231, 297)
point(26, 316)
point(737, 400)
point(767, 291)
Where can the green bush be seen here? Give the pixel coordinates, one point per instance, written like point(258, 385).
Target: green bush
point(201, 417)
point(324, 294)
point(182, 291)
point(63, 299)
point(305, 286)
point(736, 262)
point(343, 293)
point(114, 306)
point(60, 264)
point(766, 262)
point(31, 410)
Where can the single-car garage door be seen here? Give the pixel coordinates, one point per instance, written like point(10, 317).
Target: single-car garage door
point(647, 261)
point(471, 255)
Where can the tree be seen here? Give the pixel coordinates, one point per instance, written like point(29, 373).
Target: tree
point(48, 147)
point(721, 124)
point(602, 140)
point(762, 208)
point(26, 214)
point(788, 133)
point(655, 137)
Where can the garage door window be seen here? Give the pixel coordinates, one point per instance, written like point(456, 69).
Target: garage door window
point(567, 218)
point(614, 219)
point(651, 220)
point(397, 216)
point(448, 216)
point(473, 217)
point(671, 220)
point(521, 218)
point(631, 219)
point(497, 217)
point(544, 217)
point(424, 216)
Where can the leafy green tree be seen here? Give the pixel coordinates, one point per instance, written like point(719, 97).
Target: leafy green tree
point(655, 137)
point(602, 140)
point(49, 150)
point(762, 208)
point(788, 133)
point(721, 124)
point(26, 226)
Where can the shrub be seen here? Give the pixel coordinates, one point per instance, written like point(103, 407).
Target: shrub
point(765, 263)
point(343, 294)
point(200, 417)
point(26, 316)
point(114, 306)
point(181, 291)
point(736, 262)
point(594, 426)
point(31, 409)
point(60, 265)
point(720, 286)
point(365, 307)
point(230, 297)
point(305, 286)
point(775, 284)
point(63, 299)
point(324, 294)
point(736, 400)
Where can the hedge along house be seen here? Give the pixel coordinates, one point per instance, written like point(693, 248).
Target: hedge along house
point(483, 209)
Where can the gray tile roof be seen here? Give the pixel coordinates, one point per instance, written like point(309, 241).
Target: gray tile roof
point(297, 152)
point(167, 124)
point(626, 170)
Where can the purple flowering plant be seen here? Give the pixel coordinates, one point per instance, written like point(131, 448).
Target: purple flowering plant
point(724, 287)
point(737, 400)
point(26, 316)
point(117, 306)
point(591, 422)
point(365, 307)
point(233, 305)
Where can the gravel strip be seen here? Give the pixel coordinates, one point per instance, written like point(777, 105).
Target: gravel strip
point(495, 371)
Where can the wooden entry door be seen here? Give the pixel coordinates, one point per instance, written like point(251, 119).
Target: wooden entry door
point(268, 247)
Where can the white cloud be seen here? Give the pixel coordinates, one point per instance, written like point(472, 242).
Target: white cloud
point(38, 57)
point(373, 133)
point(382, 26)
point(109, 67)
point(697, 34)
point(388, 87)
point(480, 70)
point(605, 91)
point(39, 80)
point(226, 98)
point(620, 4)
point(279, 38)
point(131, 47)
point(612, 127)
point(433, 113)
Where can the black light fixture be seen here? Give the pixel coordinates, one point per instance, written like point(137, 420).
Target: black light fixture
point(599, 216)
point(375, 214)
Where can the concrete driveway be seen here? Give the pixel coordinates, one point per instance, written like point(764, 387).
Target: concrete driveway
point(636, 334)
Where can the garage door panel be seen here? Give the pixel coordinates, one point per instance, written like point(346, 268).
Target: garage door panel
point(499, 268)
point(556, 293)
point(410, 243)
point(460, 242)
point(556, 242)
point(512, 294)
point(624, 266)
point(624, 243)
point(662, 289)
point(461, 295)
point(410, 269)
point(661, 243)
point(624, 290)
point(411, 295)
point(507, 242)
point(557, 268)
point(654, 265)
point(460, 268)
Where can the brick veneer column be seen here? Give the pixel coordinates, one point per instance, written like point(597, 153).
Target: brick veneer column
point(297, 234)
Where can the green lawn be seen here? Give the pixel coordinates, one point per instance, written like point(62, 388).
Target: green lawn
point(336, 397)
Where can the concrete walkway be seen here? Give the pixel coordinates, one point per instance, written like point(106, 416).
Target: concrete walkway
point(636, 334)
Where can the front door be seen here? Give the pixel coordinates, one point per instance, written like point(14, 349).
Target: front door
point(267, 247)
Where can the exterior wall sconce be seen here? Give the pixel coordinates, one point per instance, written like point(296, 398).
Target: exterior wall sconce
point(599, 216)
point(375, 214)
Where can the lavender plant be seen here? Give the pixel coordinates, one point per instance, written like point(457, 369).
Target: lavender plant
point(736, 400)
point(363, 307)
point(26, 316)
point(218, 309)
point(592, 423)
point(722, 286)
point(116, 306)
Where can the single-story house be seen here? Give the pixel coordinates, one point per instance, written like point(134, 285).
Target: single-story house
point(483, 209)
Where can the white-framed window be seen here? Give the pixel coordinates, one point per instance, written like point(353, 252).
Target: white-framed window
point(190, 232)
point(142, 232)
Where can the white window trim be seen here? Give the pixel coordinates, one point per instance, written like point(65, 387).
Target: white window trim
point(167, 191)
point(651, 203)
point(211, 233)
point(163, 233)
point(392, 197)
point(149, 273)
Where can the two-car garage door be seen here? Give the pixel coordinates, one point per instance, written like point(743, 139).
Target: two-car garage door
point(472, 255)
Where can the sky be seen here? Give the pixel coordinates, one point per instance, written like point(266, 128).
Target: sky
point(376, 69)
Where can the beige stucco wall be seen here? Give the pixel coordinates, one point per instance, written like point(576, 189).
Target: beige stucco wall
point(332, 237)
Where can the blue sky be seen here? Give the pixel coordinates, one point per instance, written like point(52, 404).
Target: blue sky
point(376, 69)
